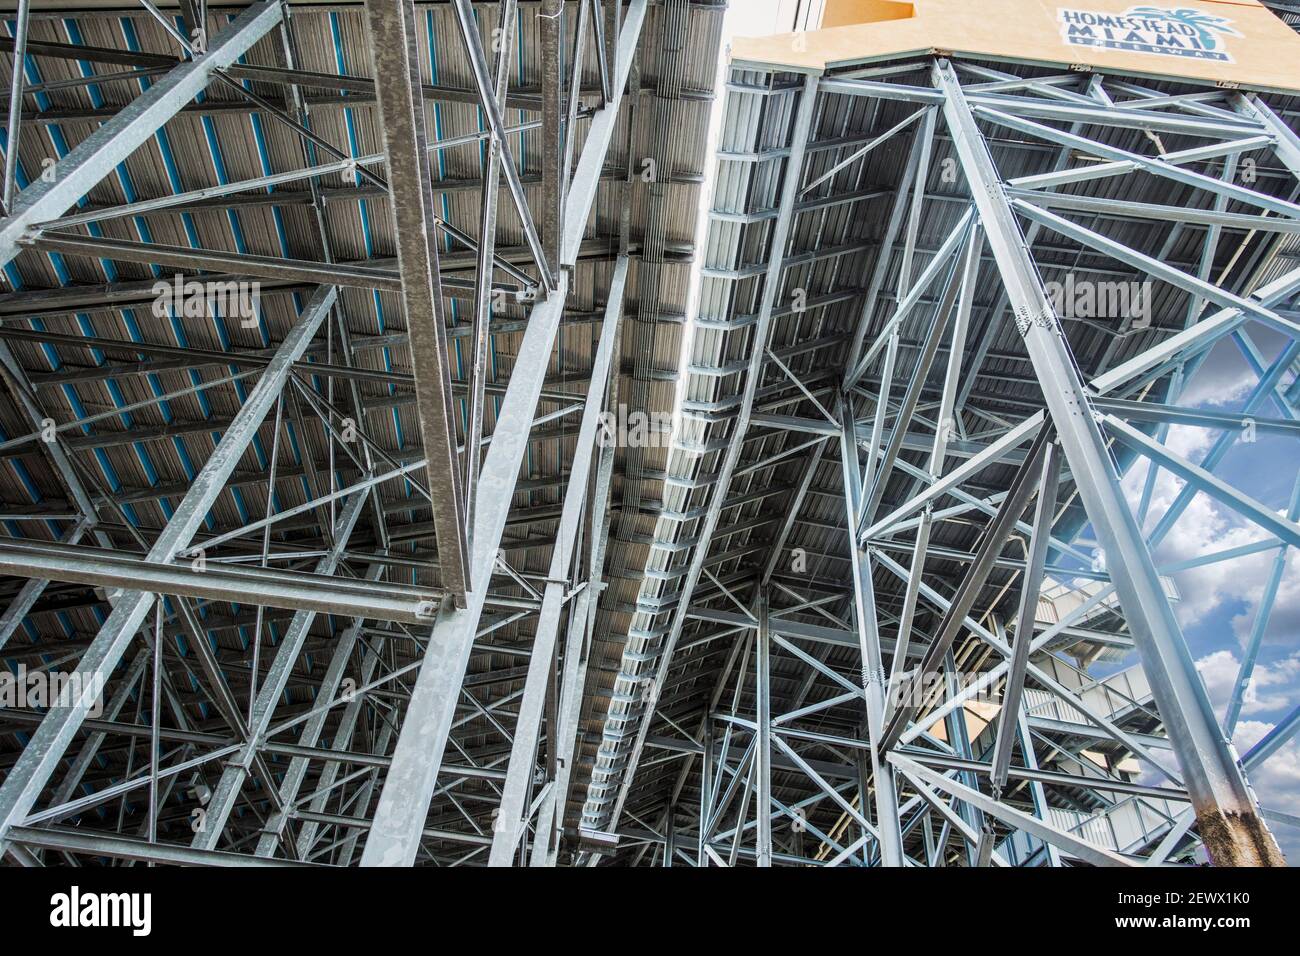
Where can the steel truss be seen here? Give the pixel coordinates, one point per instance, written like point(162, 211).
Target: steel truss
point(903, 541)
point(412, 622)
point(389, 612)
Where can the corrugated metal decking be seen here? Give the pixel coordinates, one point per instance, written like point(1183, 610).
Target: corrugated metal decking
point(215, 179)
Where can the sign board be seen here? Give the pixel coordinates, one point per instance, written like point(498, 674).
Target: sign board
point(1236, 43)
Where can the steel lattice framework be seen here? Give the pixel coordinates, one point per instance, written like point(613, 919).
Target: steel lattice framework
point(436, 205)
point(358, 576)
point(880, 386)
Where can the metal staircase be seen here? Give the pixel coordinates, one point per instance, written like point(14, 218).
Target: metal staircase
point(1127, 825)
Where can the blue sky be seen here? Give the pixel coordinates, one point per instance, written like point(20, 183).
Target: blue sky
point(1219, 603)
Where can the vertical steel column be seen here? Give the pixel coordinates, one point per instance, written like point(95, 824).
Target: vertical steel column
point(1036, 787)
point(670, 835)
point(394, 838)
point(37, 762)
point(582, 624)
point(483, 281)
point(395, 54)
point(874, 678)
point(706, 791)
point(551, 23)
point(879, 477)
point(1230, 826)
point(514, 797)
point(879, 273)
point(15, 105)
point(577, 649)
point(947, 427)
point(1031, 586)
point(586, 174)
point(492, 113)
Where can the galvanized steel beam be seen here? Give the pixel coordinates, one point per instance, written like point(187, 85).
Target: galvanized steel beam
point(1229, 822)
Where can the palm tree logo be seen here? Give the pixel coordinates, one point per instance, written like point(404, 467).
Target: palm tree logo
point(1204, 25)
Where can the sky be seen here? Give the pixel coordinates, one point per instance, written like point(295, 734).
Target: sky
point(1217, 604)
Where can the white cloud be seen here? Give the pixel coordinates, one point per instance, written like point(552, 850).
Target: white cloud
point(1270, 689)
point(1277, 780)
point(1203, 528)
point(1284, 621)
point(1222, 384)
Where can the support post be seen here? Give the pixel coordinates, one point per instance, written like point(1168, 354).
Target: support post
point(1031, 586)
point(394, 839)
point(395, 52)
point(874, 676)
point(1230, 826)
point(510, 820)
